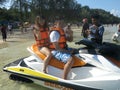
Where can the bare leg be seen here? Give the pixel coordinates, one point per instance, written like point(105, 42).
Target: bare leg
point(48, 54)
point(46, 61)
point(67, 67)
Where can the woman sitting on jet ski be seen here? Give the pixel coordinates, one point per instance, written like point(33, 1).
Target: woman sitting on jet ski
point(41, 34)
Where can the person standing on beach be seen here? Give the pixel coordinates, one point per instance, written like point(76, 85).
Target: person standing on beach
point(85, 28)
point(10, 29)
point(4, 32)
point(118, 27)
point(68, 33)
point(21, 27)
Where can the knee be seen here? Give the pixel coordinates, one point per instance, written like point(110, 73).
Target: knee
point(71, 60)
point(49, 54)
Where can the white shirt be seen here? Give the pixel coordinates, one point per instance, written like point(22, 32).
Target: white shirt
point(54, 36)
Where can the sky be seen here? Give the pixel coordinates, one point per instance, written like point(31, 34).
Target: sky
point(7, 4)
point(113, 6)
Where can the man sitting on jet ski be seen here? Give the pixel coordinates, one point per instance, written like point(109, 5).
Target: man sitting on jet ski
point(95, 33)
point(58, 40)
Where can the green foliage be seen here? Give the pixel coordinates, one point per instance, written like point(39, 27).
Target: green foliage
point(70, 10)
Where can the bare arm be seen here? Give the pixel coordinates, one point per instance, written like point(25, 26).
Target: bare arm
point(37, 32)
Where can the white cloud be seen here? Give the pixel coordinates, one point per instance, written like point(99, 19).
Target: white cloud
point(115, 12)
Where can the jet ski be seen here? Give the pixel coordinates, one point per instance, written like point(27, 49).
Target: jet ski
point(91, 70)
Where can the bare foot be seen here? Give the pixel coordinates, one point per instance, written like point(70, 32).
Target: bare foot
point(44, 71)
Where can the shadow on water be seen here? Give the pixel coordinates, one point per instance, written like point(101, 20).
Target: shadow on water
point(36, 87)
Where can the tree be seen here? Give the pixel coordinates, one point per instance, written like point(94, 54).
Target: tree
point(70, 10)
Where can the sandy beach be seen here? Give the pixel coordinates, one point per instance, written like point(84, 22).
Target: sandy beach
point(15, 48)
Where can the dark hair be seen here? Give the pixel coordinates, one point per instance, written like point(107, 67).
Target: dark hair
point(43, 17)
point(96, 16)
point(45, 24)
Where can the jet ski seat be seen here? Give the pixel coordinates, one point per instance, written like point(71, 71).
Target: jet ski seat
point(54, 62)
point(111, 51)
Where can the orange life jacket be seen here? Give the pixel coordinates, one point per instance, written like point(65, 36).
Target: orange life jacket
point(44, 41)
point(62, 40)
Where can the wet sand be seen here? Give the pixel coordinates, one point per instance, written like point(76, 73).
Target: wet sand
point(15, 48)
